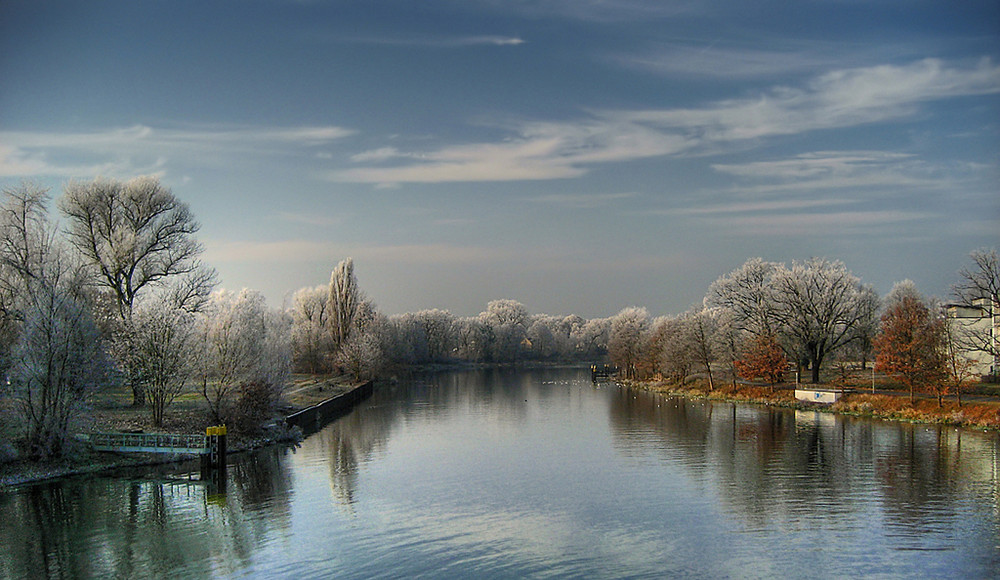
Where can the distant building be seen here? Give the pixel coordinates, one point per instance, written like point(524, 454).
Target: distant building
point(975, 329)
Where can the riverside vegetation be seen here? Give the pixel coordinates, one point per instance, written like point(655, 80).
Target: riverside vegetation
point(113, 322)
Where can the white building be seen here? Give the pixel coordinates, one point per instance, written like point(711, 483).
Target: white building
point(975, 329)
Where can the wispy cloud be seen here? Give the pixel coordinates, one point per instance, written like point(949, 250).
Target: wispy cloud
point(869, 171)
point(826, 193)
point(725, 62)
point(558, 150)
point(145, 149)
point(435, 41)
point(782, 206)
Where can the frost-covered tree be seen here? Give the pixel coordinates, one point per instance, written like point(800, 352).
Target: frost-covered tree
point(748, 293)
point(437, 325)
point(363, 355)
point(310, 328)
point(728, 341)
point(136, 235)
point(813, 308)
point(506, 322)
point(677, 350)
point(592, 338)
point(821, 305)
point(161, 339)
point(56, 360)
point(344, 299)
point(625, 340)
point(902, 290)
point(471, 338)
point(244, 345)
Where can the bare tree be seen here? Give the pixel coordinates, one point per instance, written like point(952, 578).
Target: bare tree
point(161, 339)
point(310, 328)
point(26, 242)
point(703, 326)
point(437, 332)
point(748, 293)
point(244, 345)
point(980, 289)
point(813, 308)
point(821, 305)
point(57, 361)
point(136, 234)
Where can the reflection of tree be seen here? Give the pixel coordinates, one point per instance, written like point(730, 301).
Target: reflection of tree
point(772, 464)
point(156, 526)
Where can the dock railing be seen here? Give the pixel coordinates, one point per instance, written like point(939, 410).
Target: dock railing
point(149, 443)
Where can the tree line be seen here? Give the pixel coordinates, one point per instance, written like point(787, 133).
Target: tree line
point(119, 297)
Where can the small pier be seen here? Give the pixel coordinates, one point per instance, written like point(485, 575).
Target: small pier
point(211, 446)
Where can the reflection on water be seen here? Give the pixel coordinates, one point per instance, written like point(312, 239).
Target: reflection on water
point(158, 524)
point(539, 473)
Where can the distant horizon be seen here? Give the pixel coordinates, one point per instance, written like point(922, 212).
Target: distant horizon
point(578, 157)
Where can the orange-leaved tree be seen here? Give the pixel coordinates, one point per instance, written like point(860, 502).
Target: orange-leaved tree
point(910, 345)
point(763, 359)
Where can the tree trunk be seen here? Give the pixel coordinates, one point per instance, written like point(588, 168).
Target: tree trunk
point(138, 395)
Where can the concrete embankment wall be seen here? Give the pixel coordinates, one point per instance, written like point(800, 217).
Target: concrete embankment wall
point(314, 418)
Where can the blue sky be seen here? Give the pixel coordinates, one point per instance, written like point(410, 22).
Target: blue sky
point(577, 155)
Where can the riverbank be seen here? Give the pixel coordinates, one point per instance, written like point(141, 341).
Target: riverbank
point(113, 413)
point(980, 414)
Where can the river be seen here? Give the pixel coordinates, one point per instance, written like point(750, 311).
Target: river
point(539, 474)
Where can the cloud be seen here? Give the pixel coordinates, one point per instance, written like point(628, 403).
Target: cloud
point(725, 63)
point(435, 41)
point(540, 151)
point(377, 155)
point(844, 98)
point(567, 149)
point(144, 149)
point(784, 205)
point(869, 171)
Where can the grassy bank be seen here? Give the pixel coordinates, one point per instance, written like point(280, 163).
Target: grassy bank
point(983, 413)
point(112, 412)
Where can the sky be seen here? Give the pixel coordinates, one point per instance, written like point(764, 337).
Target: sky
point(579, 156)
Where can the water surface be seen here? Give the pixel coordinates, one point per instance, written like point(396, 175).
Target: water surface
point(511, 474)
